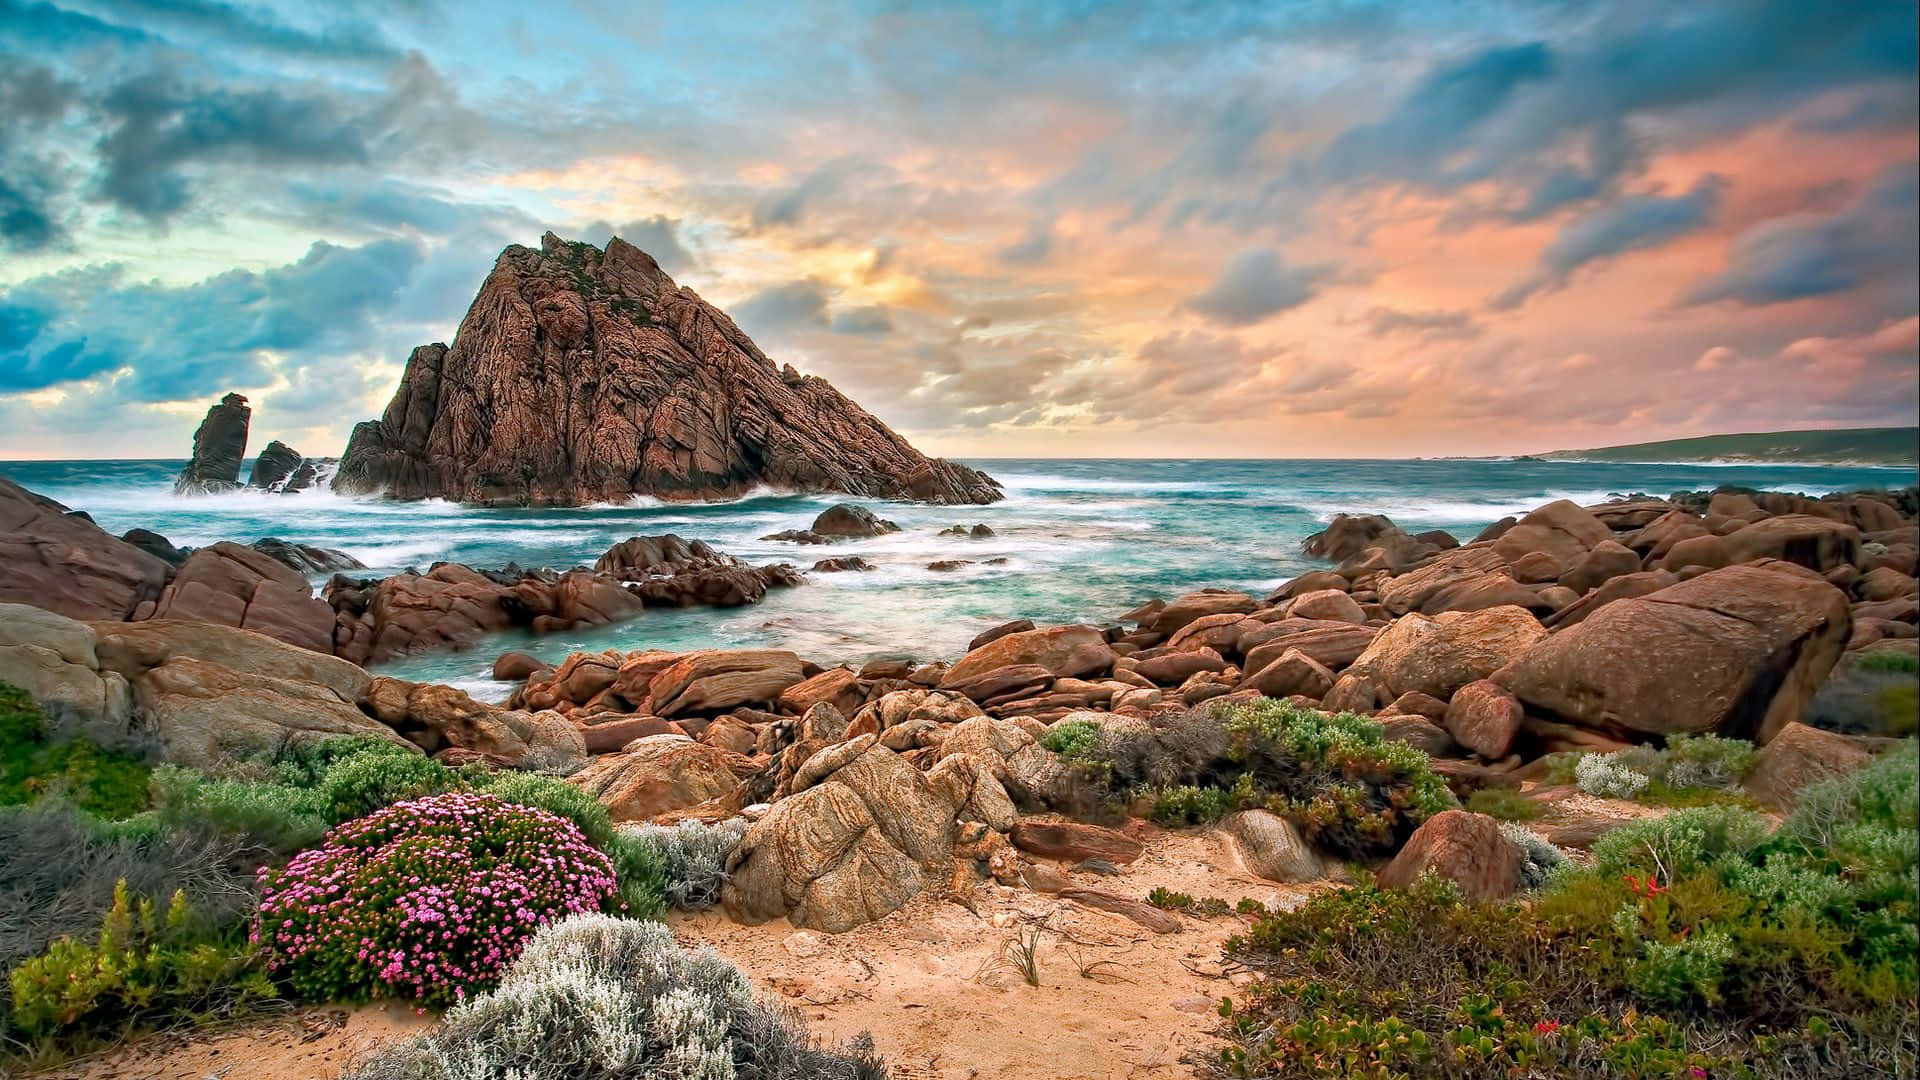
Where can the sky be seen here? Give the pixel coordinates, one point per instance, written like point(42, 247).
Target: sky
point(1083, 229)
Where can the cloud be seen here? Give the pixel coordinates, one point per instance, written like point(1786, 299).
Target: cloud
point(787, 206)
point(782, 308)
point(342, 39)
point(1630, 224)
point(160, 127)
point(1427, 325)
point(1033, 247)
point(32, 97)
point(1803, 255)
point(1255, 285)
point(183, 343)
point(870, 321)
point(659, 237)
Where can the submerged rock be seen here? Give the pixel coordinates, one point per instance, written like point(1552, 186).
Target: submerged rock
point(580, 376)
point(275, 466)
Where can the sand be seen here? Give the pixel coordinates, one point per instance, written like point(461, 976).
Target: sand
point(928, 982)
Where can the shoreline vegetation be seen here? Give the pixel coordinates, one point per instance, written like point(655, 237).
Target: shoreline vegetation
point(1525, 804)
point(1876, 447)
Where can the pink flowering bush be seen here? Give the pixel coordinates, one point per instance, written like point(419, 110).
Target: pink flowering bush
point(425, 899)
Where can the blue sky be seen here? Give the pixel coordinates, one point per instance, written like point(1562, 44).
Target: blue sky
point(1082, 229)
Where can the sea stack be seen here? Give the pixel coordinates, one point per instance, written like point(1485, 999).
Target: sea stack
point(218, 445)
point(580, 376)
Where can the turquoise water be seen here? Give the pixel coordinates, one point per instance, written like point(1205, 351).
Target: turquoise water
point(1084, 540)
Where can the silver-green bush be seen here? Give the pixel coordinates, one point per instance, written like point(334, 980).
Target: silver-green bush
point(693, 858)
point(596, 997)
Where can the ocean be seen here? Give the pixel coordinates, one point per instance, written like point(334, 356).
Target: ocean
point(1082, 540)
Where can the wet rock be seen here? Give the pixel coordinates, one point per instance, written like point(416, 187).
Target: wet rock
point(156, 545)
point(516, 666)
point(842, 564)
point(304, 558)
point(275, 465)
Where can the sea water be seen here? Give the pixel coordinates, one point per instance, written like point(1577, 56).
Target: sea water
point(1083, 541)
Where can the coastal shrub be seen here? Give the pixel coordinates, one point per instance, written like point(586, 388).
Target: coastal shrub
point(34, 766)
point(1077, 740)
point(557, 797)
point(426, 899)
point(599, 998)
point(1879, 694)
point(1349, 789)
point(1689, 770)
point(280, 818)
point(144, 965)
point(1503, 803)
point(1539, 859)
point(362, 782)
point(692, 857)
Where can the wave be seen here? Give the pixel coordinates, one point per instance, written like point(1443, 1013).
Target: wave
point(1442, 510)
point(1023, 482)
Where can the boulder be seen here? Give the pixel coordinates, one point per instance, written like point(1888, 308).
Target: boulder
point(274, 466)
point(516, 666)
point(1312, 581)
point(1271, 848)
point(710, 680)
point(219, 443)
point(1331, 645)
point(53, 659)
point(1484, 718)
point(1348, 535)
point(1073, 841)
point(1072, 651)
point(1710, 552)
point(1029, 772)
point(156, 545)
point(63, 562)
point(667, 571)
point(1186, 609)
point(1817, 543)
point(1799, 756)
point(1602, 563)
point(839, 687)
point(1292, 672)
point(1439, 655)
point(437, 717)
point(1003, 683)
point(1561, 530)
point(1331, 605)
point(1619, 588)
point(209, 717)
point(305, 558)
point(1172, 669)
point(1017, 626)
point(846, 520)
point(1411, 591)
point(1465, 848)
point(861, 840)
point(1657, 537)
point(1885, 583)
point(132, 649)
point(1737, 651)
point(232, 585)
point(907, 706)
point(659, 774)
point(1416, 731)
point(580, 375)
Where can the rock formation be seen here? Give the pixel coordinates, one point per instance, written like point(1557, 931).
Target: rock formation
point(58, 560)
point(275, 466)
point(579, 376)
point(218, 445)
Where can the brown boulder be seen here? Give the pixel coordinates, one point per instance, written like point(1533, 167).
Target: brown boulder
point(1561, 530)
point(581, 376)
point(709, 680)
point(1075, 651)
point(1439, 655)
point(658, 774)
point(1411, 591)
point(1708, 551)
point(1619, 588)
point(1073, 841)
point(516, 666)
point(232, 585)
point(1602, 563)
point(1014, 627)
point(1172, 669)
point(839, 687)
point(1484, 718)
point(1271, 848)
point(1815, 542)
point(1333, 646)
point(1799, 756)
point(1332, 605)
point(1738, 651)
point(1185, 609)
point(1293, 672)
point(1467, 849)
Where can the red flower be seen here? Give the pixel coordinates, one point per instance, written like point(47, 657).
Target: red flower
point(1697, 1073)
point(1547, 1027)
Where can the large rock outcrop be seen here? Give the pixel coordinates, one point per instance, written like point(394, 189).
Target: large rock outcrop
point(218, 446)
point(1737, 651)
point(579, 376)
point(58, 560)
point(239, 586)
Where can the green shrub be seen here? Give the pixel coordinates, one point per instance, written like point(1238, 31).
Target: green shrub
point(1349, 789)
point(280, 818)
point(642, 876)
point(1503, 803)
point(1691, 770)
point(1681, 843)
point(558, 797)
point(360, 782)
point(32, 767)
point(1888, 661)
point(1076, 740)
point(142, 967)
point(1879, 694)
